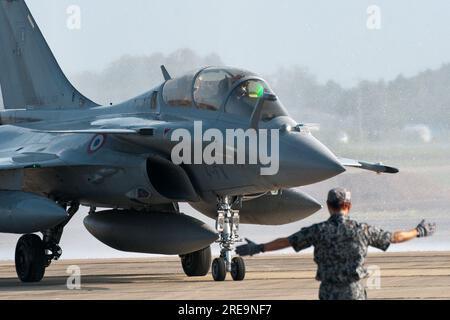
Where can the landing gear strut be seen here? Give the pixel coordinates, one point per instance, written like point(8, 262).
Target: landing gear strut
point(227, 226)
point(34, 254)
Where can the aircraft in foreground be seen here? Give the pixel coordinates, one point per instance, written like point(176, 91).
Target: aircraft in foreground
point(59, 151)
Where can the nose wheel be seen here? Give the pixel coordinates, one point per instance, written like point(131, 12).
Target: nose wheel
point(238, 269)
point(227, 226)
point(219, 269)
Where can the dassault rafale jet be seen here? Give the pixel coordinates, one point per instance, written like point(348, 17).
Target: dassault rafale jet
point(59, 151)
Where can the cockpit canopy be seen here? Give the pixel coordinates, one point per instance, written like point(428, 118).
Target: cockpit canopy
point(236, 91)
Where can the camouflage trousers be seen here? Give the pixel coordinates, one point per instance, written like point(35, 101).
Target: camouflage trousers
point(350, 291)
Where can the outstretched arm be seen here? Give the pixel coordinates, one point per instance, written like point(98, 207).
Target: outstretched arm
point(299, 241)
point(275, 245)
point(422, 230)
point(403, 236)
point(252, 248)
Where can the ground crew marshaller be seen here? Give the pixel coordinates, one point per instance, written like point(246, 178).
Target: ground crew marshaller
point(340, 247)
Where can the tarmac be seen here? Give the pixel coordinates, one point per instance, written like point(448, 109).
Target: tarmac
point(413, 275)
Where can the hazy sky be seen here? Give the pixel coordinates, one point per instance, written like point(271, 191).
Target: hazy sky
point(330, 38)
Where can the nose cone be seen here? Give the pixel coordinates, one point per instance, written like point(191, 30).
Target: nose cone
point(305, 160)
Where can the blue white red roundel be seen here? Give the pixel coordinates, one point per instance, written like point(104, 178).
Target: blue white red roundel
point(96, 143)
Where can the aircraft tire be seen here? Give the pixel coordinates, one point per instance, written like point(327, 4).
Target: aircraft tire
point(219, 270)
point(30, 258)
point(238, 269)
point(197, 264)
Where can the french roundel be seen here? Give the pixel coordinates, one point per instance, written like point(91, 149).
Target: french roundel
point(96, 143)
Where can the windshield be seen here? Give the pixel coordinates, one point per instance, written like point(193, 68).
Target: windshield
point(245, 97)
point(212, 86)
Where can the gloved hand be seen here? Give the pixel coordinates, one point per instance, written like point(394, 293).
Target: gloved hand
point(250, 248)
point(425, 229)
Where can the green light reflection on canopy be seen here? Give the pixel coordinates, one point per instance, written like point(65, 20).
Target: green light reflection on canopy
point(258, 92)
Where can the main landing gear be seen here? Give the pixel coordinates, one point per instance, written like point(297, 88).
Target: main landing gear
point(227, 226)
point(197, 264)
point(34, 255)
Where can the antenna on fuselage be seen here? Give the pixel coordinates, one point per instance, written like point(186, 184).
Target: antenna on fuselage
point(165, 73)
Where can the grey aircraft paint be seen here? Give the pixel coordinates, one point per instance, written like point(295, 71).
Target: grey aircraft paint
point(33, 77)
point(58, 146)
point(159, 233)
point(18, 207)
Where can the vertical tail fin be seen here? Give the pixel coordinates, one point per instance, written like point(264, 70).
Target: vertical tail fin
point(29, 73)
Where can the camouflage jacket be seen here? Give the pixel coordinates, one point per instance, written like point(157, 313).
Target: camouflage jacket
point(340, 247)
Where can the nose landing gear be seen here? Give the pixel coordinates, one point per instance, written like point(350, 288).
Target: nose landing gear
point(227, 226)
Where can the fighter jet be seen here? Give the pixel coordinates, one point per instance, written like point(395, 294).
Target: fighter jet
point(59, 151)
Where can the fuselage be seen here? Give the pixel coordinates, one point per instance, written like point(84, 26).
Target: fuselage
point(135, 171)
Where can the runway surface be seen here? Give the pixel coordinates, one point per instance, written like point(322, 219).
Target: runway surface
point(403, 276)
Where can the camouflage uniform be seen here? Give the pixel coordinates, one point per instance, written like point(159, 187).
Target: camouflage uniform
point(340, 248)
